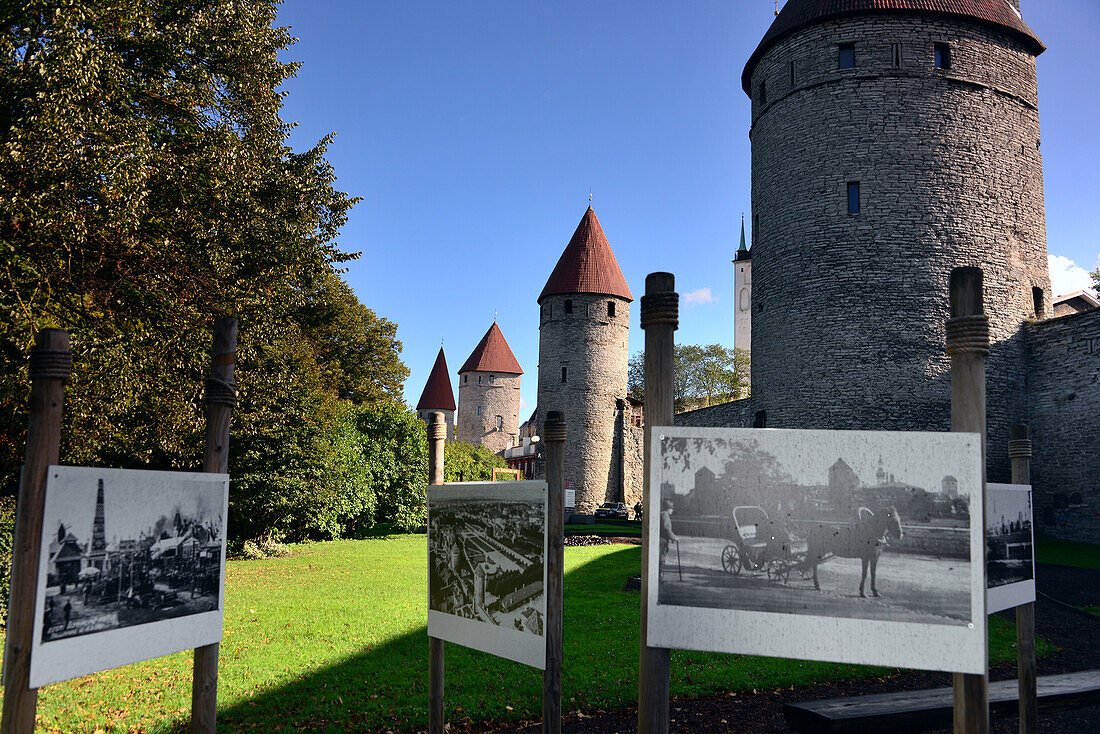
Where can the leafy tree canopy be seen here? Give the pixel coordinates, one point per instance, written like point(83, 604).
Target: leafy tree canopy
point(701, 375)
point(465, 462)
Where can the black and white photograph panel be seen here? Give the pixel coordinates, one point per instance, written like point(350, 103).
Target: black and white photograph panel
point(487, 567)
point(132, 562)
point(1009, 546)
point(824, 525)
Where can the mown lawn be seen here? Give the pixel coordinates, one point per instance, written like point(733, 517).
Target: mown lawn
point(1066, 552)
point(332, 639)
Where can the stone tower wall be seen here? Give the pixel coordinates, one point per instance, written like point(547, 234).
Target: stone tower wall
point(742, 307)
point(498, 397)
point(849, 309)
point(593, 348)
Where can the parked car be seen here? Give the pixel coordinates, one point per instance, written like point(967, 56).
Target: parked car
point(614, 510)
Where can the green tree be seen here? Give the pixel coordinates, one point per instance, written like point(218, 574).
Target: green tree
point(465, 462)
point(145, 185)
point(701, 375)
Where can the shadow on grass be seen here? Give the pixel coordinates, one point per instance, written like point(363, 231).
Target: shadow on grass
point(385, 687)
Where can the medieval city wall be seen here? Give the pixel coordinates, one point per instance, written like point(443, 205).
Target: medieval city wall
point(1064, 393)
point(734, 414)
point(849, 309)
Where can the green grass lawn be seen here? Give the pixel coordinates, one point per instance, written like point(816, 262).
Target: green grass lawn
point(1066, 552)
point(332, 639)
point(600, 528)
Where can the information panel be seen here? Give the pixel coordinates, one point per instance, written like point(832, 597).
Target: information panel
point(487, 567)
point(1009, 547)
point(846, 546)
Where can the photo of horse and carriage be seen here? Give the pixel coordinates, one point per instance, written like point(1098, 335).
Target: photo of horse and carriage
point(860, 529)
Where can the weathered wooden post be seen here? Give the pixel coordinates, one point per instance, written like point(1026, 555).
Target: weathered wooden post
point(660, 315)
point(221, 398)
point(968, 345)
point(1019, 451)
point(554, 435)
point(437, 435)
point(50, 366)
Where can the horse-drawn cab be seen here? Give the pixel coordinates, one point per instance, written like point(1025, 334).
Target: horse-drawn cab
point(758, 543)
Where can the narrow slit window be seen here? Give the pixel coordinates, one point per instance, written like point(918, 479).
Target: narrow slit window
point(793, 77)
point(895, 55)
point(563, 373)
point(569, 305)
point(1037, 300)
point(763, 92)
point(942, 55)
point(853, 197)
point(847, 56)
point(500, 423)
point(479, 410)
point(611, 309)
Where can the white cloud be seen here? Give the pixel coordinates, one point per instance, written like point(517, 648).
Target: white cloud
point(699, 296)
point(1066, 276)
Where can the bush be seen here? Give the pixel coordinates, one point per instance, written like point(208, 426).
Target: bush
point(266, 546)
point(465, 462)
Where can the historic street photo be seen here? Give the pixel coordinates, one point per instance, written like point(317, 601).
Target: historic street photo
point(131, 567)
point(1009, 546)
point(782, 539)
point(487, 567)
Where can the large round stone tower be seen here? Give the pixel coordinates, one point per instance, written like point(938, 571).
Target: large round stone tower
point(892, 140)
point(488, 394)
point(584, 327)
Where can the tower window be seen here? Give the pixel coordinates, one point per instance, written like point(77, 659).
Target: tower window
point(569, 305)
point(896, 55)
point(465, 378)
point(760, 419)
point(792, 73)
point(1037, 301)
point(846, 58)
point(942, 54)
point(492, 378)
point(763, 92)
point(611, 309)
point(479, 379)
point(853, 197)
point(479, 410)
point(500, 423)
point(563, 375)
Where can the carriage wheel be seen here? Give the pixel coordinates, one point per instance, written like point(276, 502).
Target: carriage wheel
point(731, 559)
point(779, 570)
point(805, 570)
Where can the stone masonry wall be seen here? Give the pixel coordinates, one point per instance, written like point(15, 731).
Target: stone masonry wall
point(497, 397)
point(734, 414)
point(593, 348)
point(1064, 396)
point(848, 328)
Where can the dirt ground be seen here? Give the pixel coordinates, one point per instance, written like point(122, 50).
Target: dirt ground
point(1075, 633)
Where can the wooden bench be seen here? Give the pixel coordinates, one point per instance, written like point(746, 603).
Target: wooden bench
point(918, 711)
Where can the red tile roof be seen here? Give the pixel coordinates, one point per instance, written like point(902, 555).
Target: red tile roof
point(492, 354)
point(437, 393)
point(798, 14)
point(588, 265)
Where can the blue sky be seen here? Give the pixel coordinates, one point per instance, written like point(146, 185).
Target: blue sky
point(474, 131)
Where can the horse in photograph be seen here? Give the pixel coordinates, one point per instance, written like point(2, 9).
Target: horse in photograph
point(863, 540)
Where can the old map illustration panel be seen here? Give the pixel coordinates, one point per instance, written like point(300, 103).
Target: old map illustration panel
point(487, 567)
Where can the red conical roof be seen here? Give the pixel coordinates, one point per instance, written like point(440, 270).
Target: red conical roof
point(492, 354)
point(588, 265)
point(437, 393)
point(797, 14)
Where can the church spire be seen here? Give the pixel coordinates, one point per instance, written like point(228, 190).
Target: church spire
point(743, 252)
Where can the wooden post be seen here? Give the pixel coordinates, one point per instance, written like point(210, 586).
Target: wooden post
point(50, 367)
point(660, 315)
point(968, 345)
point(554, 435)
point(221, 398)
point(437, 436)
point(1019, 451)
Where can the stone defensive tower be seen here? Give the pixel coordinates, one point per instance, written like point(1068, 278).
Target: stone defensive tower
point(892, 140)
point(488, 394)
point(438, 395)
point(584, 328)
